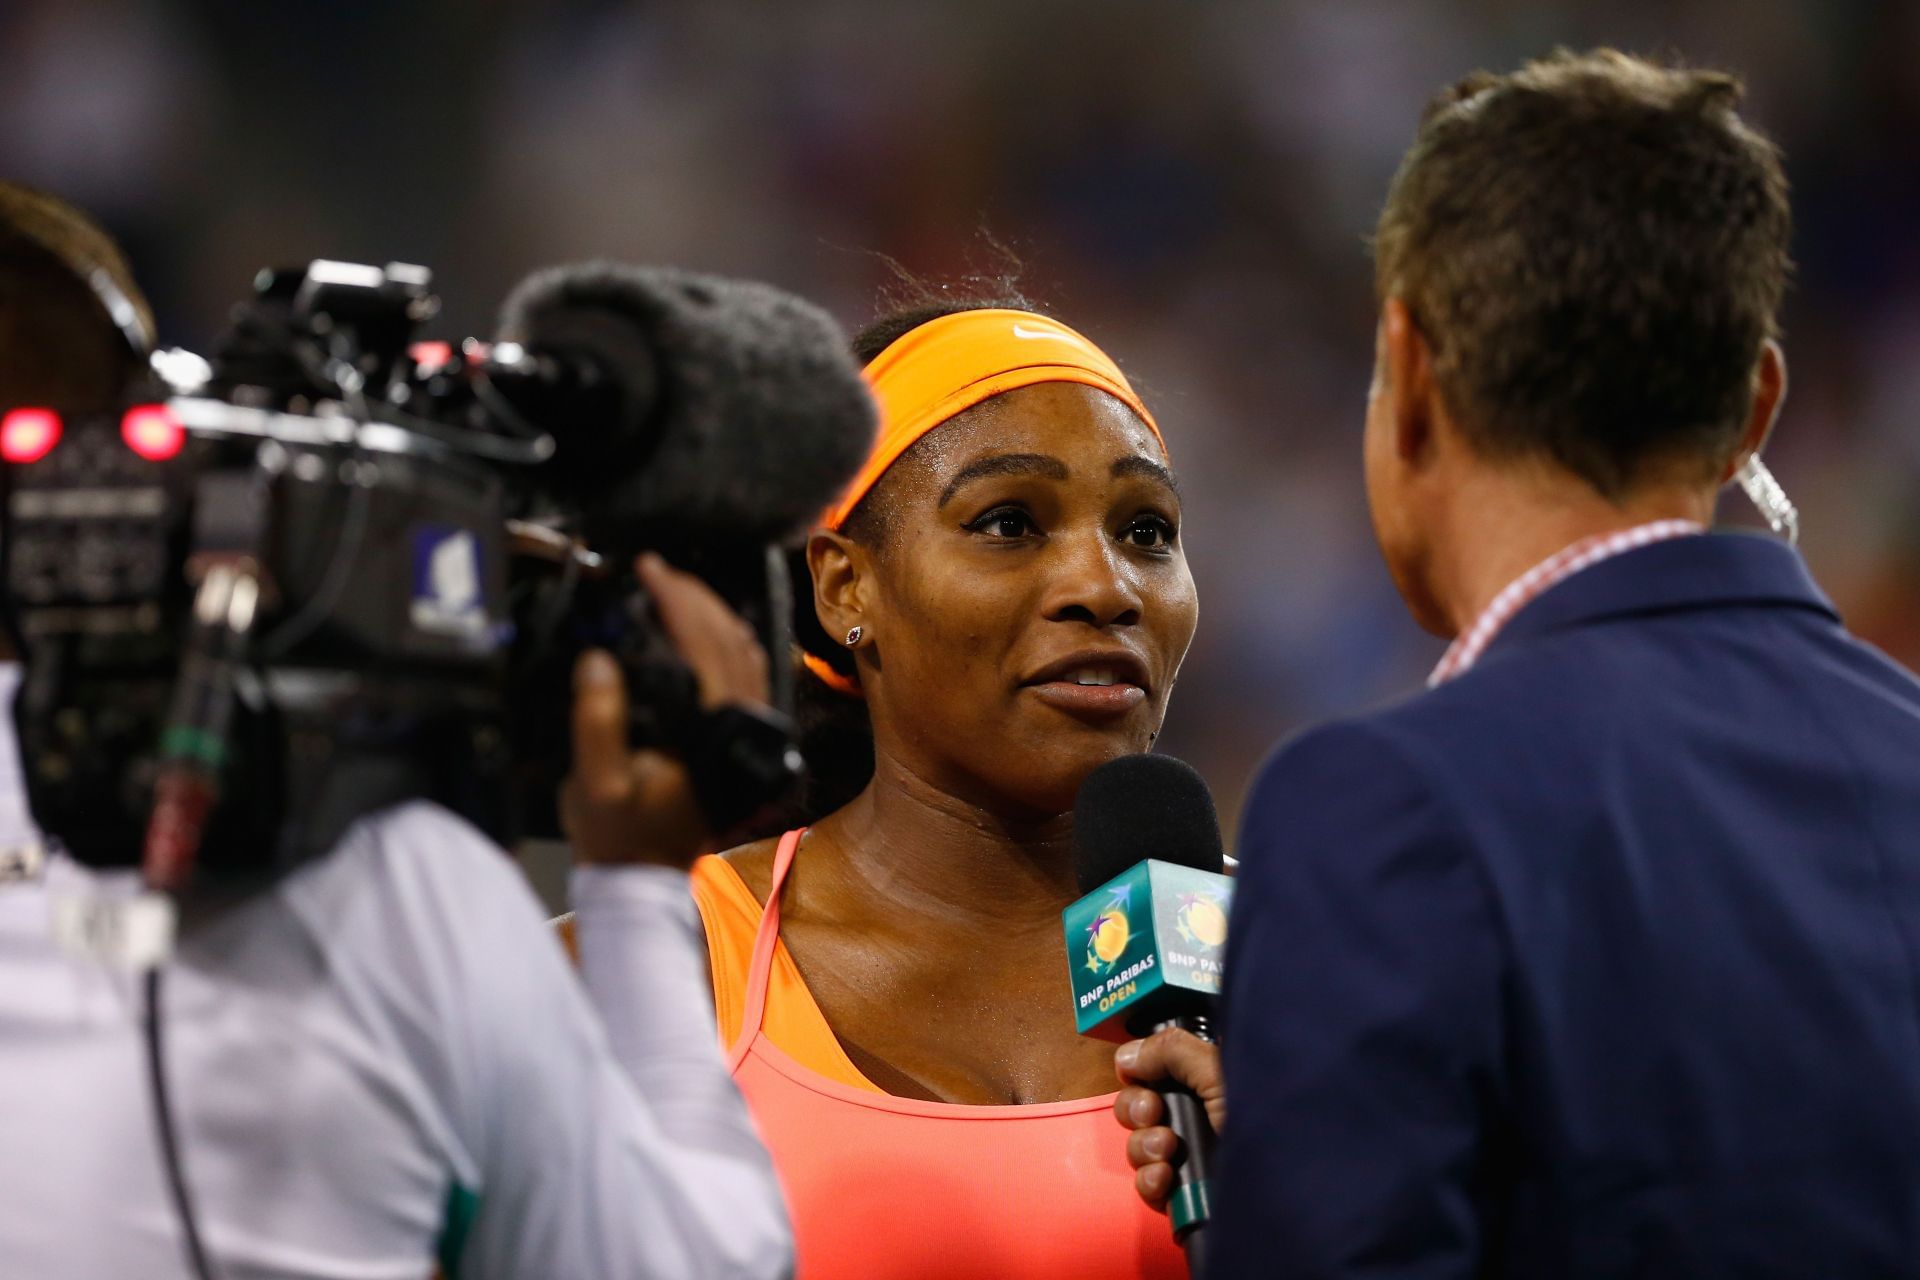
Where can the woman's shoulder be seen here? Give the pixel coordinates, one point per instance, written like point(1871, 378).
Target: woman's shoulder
point(753, 863)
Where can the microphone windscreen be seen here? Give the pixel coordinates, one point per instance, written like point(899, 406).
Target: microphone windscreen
point(1139, 807)
point(758, 413)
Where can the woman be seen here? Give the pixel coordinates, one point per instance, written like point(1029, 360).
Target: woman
point(1002, 605)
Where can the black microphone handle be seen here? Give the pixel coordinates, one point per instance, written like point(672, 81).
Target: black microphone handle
point(1189, 1204)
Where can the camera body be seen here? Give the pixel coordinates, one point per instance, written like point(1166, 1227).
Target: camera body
point(335, 569)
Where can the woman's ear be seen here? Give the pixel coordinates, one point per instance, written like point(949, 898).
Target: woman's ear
point(841, 575)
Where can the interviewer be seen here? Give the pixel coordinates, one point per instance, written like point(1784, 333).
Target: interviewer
point(1599, 959)
point(384, 1059)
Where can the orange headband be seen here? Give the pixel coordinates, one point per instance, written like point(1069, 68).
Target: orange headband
point(937, 371)
point(944, 367)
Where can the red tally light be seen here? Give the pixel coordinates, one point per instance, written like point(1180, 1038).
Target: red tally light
point(431, 357)
point(152, 431)
point(28, 435)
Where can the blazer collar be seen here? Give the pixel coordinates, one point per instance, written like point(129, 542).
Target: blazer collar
point(1704, 571)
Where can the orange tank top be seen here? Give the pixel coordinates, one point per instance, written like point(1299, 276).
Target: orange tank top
point(886, 1188)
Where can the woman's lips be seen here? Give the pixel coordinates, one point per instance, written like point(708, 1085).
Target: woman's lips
point(1098, 700)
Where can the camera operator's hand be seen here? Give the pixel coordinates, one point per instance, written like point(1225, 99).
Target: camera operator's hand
point(625, 806)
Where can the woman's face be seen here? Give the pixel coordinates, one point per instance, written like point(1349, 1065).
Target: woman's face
point(1028, 598)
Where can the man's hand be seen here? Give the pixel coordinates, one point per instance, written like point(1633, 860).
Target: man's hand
point(1152, 1148)
point(625, 806)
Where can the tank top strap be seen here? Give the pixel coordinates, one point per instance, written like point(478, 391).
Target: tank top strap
point(760, 968)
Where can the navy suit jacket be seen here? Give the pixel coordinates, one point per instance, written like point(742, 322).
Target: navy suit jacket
point(1599, 960)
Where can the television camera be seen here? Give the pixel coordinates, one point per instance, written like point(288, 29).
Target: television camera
point(333, 567)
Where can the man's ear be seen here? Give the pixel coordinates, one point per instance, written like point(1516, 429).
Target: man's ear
point(1407, 367)
point(1769, 393)
point(840, 569)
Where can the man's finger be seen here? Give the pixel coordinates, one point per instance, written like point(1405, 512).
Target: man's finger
point(1138, 1107)
point(721, 650)
point(676, 598)
point(600, 750)
point(1153, 1183)
point(1177, 1054)
point(1152, 1146)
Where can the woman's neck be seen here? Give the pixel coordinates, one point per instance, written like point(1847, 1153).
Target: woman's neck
point(921, 851)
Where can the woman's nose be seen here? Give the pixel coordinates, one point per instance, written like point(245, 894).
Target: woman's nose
point(1092, 582)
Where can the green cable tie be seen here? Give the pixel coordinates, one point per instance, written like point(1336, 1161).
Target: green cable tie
point(196, 744)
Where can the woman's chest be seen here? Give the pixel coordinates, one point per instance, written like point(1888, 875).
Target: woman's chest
point(956, 1024)
point(891, 1189)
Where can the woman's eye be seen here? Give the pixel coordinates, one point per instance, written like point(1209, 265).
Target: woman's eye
point(1149, 532)
point(1004, 522)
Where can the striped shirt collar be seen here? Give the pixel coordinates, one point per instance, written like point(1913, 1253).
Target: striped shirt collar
point(1555, 569)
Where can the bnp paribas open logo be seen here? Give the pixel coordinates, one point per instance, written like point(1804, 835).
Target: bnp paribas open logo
point(1111, 932)
point(1201, 920)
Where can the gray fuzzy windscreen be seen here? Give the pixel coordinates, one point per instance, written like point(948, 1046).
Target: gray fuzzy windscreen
point(762, 416)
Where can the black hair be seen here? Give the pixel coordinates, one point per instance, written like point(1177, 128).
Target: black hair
point(58, 343)
point(836, 734)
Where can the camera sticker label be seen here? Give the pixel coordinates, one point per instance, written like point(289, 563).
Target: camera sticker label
point(448, 593)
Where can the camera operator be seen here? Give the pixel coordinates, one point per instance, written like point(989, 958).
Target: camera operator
point(382, 1060)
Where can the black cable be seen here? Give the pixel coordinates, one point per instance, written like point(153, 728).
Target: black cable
point(169, 1145)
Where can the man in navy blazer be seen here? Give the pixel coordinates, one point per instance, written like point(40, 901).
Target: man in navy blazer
point(1600, 957)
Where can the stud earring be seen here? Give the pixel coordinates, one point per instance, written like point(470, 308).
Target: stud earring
point(853, 636)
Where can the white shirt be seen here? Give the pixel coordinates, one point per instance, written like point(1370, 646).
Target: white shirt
point(390, 1035)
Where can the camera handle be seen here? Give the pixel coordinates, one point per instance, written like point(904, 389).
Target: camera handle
point(745, 762)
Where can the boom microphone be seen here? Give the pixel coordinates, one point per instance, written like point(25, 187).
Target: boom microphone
point(1146, 939)
point(706, 419)
point(729, 410)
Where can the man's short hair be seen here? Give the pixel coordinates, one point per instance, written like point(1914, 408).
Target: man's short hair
point(59, 345)
point(1594, 247)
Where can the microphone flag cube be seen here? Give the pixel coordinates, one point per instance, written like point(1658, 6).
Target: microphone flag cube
point(1146, 946)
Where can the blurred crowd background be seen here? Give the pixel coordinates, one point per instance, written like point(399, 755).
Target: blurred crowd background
point(1189, 182)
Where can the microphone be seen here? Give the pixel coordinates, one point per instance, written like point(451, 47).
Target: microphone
point(687, 408)
point(1146, 940)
